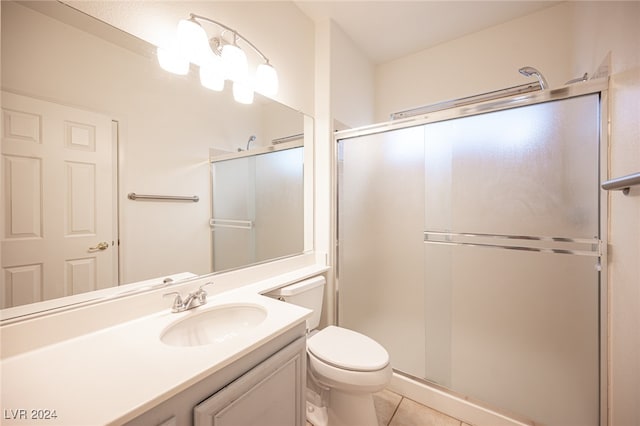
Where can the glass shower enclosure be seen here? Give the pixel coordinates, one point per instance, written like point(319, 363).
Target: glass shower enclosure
point(257, 206)
point(469, 245)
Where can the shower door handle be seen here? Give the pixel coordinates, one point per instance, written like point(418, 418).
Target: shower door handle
point(541, 244)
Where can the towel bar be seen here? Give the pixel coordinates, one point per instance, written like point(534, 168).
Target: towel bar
point(134, 196)
point(622, 183)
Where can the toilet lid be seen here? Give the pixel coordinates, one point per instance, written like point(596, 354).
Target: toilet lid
point(348, 349)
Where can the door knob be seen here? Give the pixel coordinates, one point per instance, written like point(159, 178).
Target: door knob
point(101, 246)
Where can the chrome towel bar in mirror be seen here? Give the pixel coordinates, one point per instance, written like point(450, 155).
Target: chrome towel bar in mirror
point(134, 196)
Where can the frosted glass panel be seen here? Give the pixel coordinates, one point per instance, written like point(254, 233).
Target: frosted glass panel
point(380, 233)
point(232, 248)
point(257, 208)
point(233, 204)
point(279, 219)
point(522, 330)
point(233, 188)
point(531, 170)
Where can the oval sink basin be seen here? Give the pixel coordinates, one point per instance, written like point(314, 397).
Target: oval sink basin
point(215, 325)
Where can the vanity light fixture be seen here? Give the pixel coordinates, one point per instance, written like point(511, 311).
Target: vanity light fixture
point(171, 60)
point(218, 59)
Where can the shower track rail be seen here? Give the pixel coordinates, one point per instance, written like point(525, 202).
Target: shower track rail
point(470, 100)
point(555, 245)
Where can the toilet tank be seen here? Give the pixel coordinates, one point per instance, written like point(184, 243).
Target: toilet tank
point(308, 294)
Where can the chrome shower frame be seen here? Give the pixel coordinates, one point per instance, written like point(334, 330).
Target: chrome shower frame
point(469, 100)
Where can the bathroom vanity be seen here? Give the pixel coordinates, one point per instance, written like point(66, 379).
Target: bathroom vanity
point(242, 361)
point(269, 392)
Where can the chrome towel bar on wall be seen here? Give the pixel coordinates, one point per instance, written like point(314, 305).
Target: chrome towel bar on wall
point(134, 196)
point(622, 183)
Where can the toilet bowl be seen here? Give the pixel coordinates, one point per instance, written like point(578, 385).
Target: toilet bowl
point(353, 367)
point(344, 367)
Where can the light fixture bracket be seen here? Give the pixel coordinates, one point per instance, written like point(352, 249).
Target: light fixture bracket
point(236, 34)
point(216, 44)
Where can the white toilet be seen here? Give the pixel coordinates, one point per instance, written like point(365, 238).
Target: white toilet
point(344, 367)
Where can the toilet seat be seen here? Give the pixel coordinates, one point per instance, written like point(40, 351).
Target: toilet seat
point(348, 350)
point(342, 379)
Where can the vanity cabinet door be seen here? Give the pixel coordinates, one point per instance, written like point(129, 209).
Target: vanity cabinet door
point(270, 394)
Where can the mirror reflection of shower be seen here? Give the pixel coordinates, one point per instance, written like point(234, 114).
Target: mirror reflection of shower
point(255, 195)
point(251, 139)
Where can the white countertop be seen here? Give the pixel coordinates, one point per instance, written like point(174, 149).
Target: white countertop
point(117, 373)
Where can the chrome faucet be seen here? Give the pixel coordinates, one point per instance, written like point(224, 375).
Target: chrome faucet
point(192, 300)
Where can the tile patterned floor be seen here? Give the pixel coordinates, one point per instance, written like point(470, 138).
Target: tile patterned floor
point(395, 410)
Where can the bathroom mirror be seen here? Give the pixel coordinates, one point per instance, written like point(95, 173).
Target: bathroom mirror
point(161, 129)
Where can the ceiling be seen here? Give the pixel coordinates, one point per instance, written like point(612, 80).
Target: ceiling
point(387, 30)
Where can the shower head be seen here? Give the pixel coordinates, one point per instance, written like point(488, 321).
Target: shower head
point(529, 71)
point(251, 139)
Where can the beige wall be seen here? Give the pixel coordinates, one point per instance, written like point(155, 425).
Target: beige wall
point(481, 62)
point(563, 42)
point(352, 82)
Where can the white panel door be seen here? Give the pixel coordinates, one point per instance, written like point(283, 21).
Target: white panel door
point(58, 193)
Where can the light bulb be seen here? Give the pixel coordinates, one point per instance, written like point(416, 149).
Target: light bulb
point(212, 74)
point(171, 60)
point(235, 63)
point(266, 80)
point(193, 41)
point(242, 92)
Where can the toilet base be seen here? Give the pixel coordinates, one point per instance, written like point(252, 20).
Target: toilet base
point(316, 415)
point(344, 409)
point(351, 409)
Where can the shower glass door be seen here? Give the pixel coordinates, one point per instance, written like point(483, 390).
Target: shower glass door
point(499, 298)
point(255, 198)
point(233, 208)
point(381, 209)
